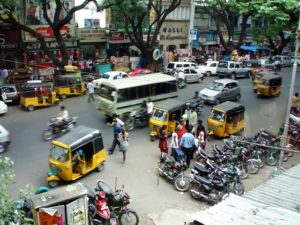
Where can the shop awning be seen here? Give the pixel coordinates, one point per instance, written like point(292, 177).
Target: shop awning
point(253, 48)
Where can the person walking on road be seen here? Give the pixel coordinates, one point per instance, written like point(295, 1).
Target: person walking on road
point(174, 141)
point(163, 144)
point(187, 143)
point(193, 120)
point(186, 115)
point(91, 89)
point(117, 130)
point(123, 138)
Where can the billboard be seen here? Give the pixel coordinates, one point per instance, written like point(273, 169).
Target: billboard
point(34, 12)
point(91, 23)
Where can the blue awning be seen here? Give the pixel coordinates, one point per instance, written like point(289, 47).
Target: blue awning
point(253, 48)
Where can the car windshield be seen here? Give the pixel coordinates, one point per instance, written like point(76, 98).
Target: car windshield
point(58, 153)
point(159, 115)
point(105, 76)
point(216, 86)
point(217, 115)
point(223, 65)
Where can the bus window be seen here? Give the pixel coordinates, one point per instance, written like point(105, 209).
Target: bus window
point(107, 92)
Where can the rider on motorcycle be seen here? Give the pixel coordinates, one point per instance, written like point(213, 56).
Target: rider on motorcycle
point(62, 117)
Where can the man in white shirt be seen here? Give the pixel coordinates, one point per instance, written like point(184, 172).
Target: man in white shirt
point(91, 89)
point(63, 116)
point(149, 106)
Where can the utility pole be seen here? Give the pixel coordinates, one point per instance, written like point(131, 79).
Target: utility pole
point(286, 124)
point(192, 18)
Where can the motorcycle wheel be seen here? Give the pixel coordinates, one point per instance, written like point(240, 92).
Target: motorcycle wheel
point(285, 158)
point(271, 160)
point(262, 161)
point(214, 197)
point(252, 166)
point(244, 172)
point(129, 124)
point(129, 217)
point(196, 188)
point(161, 168)
point(182, 183)
point(47, 135)
point(239, 188)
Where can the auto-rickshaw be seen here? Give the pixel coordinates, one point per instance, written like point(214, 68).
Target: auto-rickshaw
point(75, 154)
point(167, 112)
point(269, 85)
point(37, 94)
point(226, 119)
point(69, 85)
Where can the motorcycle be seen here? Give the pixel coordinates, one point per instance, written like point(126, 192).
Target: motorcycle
point(196, 103)
point(173, 170)
point(138, 119)
point(110, 208)
point(54, 130)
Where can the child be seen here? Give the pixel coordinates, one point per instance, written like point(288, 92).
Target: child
point(123, 138)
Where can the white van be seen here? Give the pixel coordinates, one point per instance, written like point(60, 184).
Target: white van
point(112, 75)
point(173, 66)
point(285, 61)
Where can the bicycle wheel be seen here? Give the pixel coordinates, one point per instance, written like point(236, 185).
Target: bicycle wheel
point(129, 217)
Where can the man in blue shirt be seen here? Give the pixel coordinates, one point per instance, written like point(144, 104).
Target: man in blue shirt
point(117, 131)
point(187, 143)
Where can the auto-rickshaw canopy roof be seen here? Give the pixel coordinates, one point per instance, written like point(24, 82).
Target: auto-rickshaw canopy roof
point(230, 107)
point(170, 104)
point(77, 137)
point(67, 77)
point(36, 85)
point(274, 80)
point(58, 196)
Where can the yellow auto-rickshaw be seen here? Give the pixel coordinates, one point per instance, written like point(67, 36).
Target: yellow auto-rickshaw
point(167, 112)
point(226, 119)
point(75, 154)
point(269, 85)
point(69, 85)
point(72, 70)
point(37, 94)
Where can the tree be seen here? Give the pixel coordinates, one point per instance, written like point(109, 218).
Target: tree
point(8, 9)
point(8, 206)
point(277, 15)
point(225, 14)
point(136, 20)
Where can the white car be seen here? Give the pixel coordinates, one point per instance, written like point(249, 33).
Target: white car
point(112, 75)
point(209, 68)
point(3, 108)
point(189, 75)
point(4, 139)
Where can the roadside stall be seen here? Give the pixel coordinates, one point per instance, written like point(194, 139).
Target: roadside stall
point(65, 205)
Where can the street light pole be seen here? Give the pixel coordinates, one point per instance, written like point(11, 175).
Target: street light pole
point(288, 110)
point(192, 18)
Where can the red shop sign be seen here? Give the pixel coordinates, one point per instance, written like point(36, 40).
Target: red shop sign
point(116, 36)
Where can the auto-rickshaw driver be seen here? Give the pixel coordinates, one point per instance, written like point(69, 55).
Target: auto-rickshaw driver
point(76, 157)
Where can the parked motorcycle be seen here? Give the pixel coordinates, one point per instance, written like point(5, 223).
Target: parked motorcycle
point(138, 119)
point(173, 170)
point(54, 130)
point(110, 208)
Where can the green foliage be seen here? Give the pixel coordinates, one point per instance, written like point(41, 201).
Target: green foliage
point(8, 206)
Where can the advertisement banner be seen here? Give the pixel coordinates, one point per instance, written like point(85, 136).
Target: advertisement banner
point(91, 23)
point(34, 12)
point(92, 35)
point(117, 36)
point(193, 34)
point(10, 39)
point(67, 31)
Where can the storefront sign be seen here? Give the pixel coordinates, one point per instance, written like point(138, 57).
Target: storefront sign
point(91, 35)
point(67, 31)
point(9, 39)
point(50, 45)
point(118, 37)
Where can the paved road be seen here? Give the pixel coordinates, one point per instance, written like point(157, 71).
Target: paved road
point(151, 196)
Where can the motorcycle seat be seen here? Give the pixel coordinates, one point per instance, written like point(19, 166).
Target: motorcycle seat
point(202, 180)
point(207, 154)
point(201, 168)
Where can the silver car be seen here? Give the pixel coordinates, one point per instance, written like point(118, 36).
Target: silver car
point(220, 91)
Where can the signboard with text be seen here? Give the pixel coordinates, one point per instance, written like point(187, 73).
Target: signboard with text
point(91, 35)
point(193, 34)
point(10, 40)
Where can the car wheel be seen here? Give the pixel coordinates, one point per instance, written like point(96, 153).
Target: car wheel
point(237, 97)
point(208, 73)
point(217, 102)
point(200, 79)
point(2, 148)
point(233, 76)
point(249, 64)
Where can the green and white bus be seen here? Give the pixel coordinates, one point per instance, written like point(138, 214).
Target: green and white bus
point(123, 96)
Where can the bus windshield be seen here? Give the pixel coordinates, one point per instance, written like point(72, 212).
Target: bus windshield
point(59, 154)
point(159, 115)
point(107, 92)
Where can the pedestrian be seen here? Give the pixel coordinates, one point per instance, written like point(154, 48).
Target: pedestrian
point(123, 138)
point(174, 141)
point(202, 139)
point(117, 130)
point(163, 144)
point(181, 130)
point(200, 127)
point(149, 107)
point(187, 144)
point(186, 115)
point(193, 120)
point(295, 102)
point(91, 89)
point(196, 96)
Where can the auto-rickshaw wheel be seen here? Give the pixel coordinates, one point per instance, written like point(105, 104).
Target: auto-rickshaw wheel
point(2, 148)
point(53, 183)
point(100, 167)
point(63, 96)
point(30, 108)
point(152, 138)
